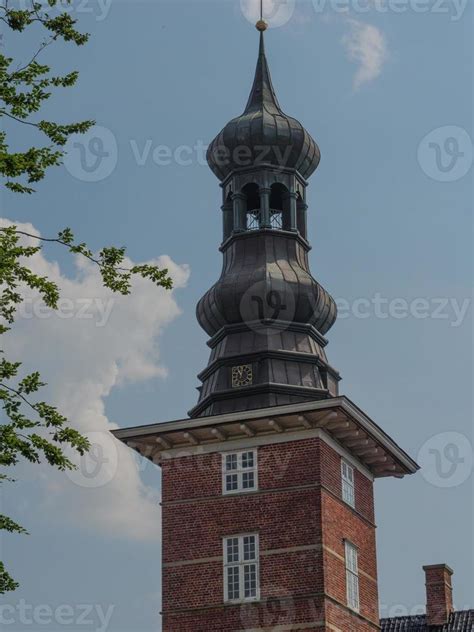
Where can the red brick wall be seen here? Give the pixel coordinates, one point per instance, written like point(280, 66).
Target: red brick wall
point(197, 529)
point(339, 524)
point(303, 585)
point(266, 615)
point(191, 477)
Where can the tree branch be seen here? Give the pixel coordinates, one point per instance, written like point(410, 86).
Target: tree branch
point(18, 394)
point(40, 50)
point(18, 120)
point(56, 240)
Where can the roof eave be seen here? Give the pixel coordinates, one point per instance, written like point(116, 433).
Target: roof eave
point(350, 427)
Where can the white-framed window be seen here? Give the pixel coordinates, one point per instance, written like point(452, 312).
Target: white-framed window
point(239, 472)
point(352, 576)
point(348, 485)
point(241, 568)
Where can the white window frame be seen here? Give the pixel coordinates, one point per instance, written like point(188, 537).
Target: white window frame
point(348, 483)
point(352, 575)
point(239, 472)
point(240, 564)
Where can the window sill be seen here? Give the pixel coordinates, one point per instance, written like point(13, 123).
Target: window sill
point(240, 492)
point(356, 610)
point(240, 602)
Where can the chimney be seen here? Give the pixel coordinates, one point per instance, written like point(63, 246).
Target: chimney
point(439, 594)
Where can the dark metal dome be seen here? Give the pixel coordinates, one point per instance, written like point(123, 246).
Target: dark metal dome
point(262, 264)
point(263, 134)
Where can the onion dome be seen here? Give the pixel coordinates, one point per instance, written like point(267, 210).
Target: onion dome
point(273, 265)
point(263, 134)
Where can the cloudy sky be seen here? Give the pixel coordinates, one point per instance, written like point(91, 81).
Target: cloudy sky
point(385, 87)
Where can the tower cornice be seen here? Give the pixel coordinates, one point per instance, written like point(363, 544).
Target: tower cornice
point(339, 417)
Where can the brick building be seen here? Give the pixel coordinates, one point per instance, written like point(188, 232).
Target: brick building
point(267, 494)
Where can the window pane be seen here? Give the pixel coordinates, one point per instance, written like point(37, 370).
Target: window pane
point(231, 462)
point(350, 474)
point(249, 548)
point(347, 472)
point(351, 558)
point(348, 494)
point(247, 460)
point(352, 590)
point(231, 482)
point(233, 591)
point(250, 580)
point(232, 550)
point(248, 480)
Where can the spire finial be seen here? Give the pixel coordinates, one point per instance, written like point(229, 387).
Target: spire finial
point(261, 24)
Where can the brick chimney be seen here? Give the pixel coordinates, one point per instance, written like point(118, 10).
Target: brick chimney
point(439, 594)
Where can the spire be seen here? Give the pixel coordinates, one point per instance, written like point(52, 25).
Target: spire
point(262, 94)
point(263, 125)
point(266, 315)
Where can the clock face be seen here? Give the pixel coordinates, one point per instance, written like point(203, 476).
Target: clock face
point(242, 375)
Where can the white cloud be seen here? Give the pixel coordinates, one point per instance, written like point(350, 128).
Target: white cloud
point(367, 46)
point(98, 341)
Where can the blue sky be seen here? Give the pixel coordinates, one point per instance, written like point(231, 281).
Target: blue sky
point(387, 94)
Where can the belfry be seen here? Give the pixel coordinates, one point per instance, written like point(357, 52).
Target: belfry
point(267, 487)
point(266, 315)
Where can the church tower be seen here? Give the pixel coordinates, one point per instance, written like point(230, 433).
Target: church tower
point(267, 486)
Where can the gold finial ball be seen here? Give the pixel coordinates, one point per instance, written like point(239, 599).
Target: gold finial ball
point(261, 26)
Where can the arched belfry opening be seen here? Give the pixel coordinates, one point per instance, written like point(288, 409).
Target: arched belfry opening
point(252, 206)
point(279, 207)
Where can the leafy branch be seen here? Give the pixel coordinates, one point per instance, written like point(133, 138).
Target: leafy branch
point(24, 90)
